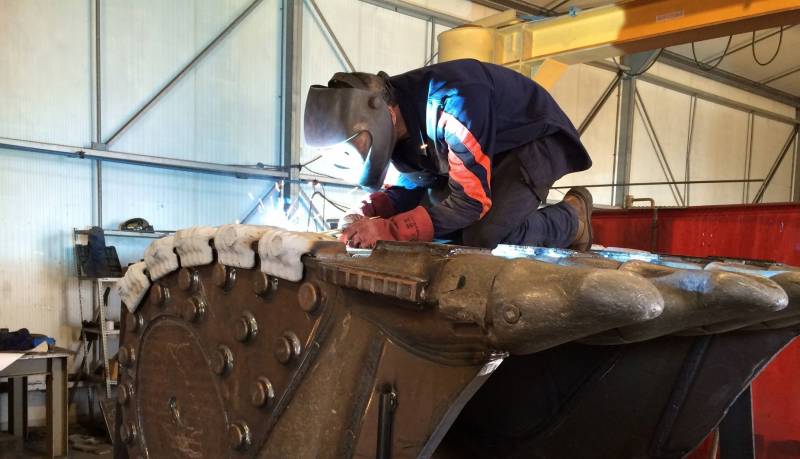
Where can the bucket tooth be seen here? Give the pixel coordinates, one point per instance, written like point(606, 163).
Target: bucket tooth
point(695, 300)
point(536, 305)
point(789, 281)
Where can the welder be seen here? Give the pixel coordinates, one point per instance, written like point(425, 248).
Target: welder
point(477, 146)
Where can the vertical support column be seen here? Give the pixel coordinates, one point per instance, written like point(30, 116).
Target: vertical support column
point(736, 429)
point(748, 158)
point(796, 176)
point(57, 406)
point(291, 66)
point(622, 162)
point(432, 44)
point(18, 406)
point(97, 142)
point(689, 137)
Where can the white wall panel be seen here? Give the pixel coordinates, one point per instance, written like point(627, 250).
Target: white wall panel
point(769, 138)
point(42, 198)
point(720, 89)
point(226, 110)
point(718, 152)
point(172, 200)
point(44, 67)
point(576, 92)
point(669, 114)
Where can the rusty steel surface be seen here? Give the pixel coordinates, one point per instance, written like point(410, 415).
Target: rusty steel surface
point(376, 354)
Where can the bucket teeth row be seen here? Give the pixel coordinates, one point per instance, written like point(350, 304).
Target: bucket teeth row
point(236, 246)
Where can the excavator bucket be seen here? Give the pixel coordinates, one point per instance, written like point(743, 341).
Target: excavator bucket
point(253, 341)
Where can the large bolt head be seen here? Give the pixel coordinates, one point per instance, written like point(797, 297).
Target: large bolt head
point(126, 356)
point(309, 297)
point(511, 314)
point(222, 360)
point(224, 277)
point(188, 279)
point(159, 295)
point(193, 309)
point(263, 284)
point(287, 347)
point(246, 327)
point(124, 394)
point(135, 322)
point(127, 433)
point(262, 393)
point(239, 436)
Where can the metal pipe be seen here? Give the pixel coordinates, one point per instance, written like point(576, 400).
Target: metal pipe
point(681, 182)
point(587, 121)
point(689, 138)
point(780, 75)
point(142, 160)
point(97, 75)
point(98, 167)
point(432, 43)
point(624, 140)
point(760, 194)
point(332, 35)
point(98, 172)
point(796, 170)
point(748, 158)
point(183, 72)
point(291, 87)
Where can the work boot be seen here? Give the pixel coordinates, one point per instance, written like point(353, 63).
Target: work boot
point(580, 199)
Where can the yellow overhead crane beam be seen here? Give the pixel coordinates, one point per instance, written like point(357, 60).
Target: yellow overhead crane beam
point(543, 49)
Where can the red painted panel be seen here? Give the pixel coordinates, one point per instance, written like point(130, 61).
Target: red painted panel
point(764, 232)
point(767, 231)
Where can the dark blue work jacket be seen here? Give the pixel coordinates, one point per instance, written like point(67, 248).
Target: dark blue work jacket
point(462, 114)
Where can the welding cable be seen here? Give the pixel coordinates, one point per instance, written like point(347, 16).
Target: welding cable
point(706, 68)
point(335, 204)
point(777, 50)
point(319, 174)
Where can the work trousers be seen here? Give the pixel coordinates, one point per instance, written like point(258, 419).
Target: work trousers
point(515, 216)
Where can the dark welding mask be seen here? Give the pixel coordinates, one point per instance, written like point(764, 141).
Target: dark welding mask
point(353, 112)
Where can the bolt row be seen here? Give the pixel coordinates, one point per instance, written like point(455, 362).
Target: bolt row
point(287, 347)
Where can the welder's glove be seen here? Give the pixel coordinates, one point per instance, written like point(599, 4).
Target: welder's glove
point(379, 205)
point(414, 225)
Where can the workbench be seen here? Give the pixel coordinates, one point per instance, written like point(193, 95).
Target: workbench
point(53, 365)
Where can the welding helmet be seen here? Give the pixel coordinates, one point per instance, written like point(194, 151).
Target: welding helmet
point(353, 111)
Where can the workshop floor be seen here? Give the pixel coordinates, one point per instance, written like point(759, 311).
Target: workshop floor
point(35, 447)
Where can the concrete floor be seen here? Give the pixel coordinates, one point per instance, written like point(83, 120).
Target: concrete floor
point(35, 448)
